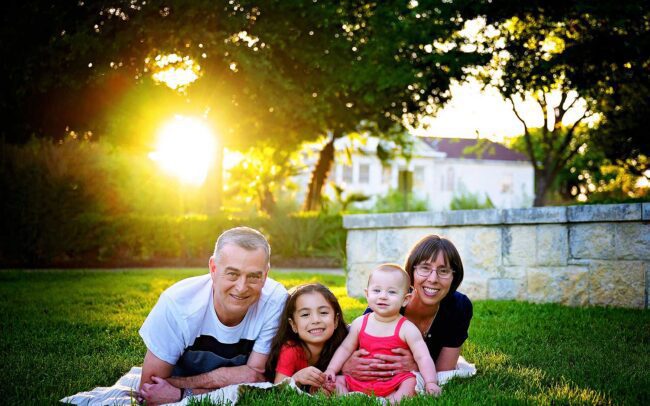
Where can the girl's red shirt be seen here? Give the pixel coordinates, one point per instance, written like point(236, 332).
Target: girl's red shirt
point(292, 359)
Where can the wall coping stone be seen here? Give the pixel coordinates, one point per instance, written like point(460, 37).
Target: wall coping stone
point(533, 215)
point(604, 212)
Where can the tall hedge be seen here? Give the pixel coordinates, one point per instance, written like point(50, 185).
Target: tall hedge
point(60, 207)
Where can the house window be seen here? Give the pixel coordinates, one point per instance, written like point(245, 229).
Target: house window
point(364, 173)
point(347, 174)
point(418, 176)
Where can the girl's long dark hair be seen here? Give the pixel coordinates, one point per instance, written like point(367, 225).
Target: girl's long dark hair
point(286, 335)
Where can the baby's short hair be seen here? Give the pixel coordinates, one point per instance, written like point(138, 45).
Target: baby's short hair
point(393, 268)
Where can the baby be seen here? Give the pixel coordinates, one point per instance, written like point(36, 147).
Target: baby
point(381, 331)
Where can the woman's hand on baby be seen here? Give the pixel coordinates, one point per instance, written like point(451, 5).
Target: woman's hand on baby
point(360, 368)
point(310, 376)
point(402, 361)
point(432, 388)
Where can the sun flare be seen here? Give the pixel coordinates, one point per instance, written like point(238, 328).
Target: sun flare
point(175, 71)
point(186, 149)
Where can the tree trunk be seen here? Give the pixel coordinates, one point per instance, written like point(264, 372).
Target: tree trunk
point(314, 198)
point(267, 201)
point(542, 186)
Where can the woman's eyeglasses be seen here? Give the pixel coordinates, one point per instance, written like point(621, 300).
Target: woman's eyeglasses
point(425, 271)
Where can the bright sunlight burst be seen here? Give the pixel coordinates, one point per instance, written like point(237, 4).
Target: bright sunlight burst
point(186, 149)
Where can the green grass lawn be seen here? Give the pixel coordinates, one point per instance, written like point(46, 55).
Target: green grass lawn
point(62, 332)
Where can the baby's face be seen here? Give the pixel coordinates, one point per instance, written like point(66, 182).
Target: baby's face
point(386, 292)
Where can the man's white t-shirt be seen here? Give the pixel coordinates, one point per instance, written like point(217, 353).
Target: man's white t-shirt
point(183, 328)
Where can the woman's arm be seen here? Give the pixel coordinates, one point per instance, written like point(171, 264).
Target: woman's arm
point(448, 358)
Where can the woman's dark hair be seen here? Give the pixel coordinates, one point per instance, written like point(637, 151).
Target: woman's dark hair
point(427, 249)
point(286, 335)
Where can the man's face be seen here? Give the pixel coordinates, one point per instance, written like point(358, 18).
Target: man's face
point(238, 276)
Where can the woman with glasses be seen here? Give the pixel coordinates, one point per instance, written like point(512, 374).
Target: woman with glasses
point(440, 312)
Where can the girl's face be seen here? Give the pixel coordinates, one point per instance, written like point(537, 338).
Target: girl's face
point(313, 320)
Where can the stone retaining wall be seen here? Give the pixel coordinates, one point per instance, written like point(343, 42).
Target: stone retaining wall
point(575, 255)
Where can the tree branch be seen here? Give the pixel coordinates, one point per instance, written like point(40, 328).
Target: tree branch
point(560, 162)
point(572, 103)
point(529, 143)
point(560, 111)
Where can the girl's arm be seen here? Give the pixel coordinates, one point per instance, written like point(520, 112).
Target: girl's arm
point(279, 377)
point(307, 376)
point(348, 346)
point(422, 357)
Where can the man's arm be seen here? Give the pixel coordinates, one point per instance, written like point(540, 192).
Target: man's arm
point(253, 371)
point(154, 366)
point(153, 388)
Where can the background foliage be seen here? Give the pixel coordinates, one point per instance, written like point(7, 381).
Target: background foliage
point(87, 203)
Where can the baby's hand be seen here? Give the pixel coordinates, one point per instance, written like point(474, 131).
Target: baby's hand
point(330, 376)
point(310, 376)
point(432, 388)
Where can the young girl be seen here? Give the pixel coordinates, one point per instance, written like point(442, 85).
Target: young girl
point(381, 331)
point(311, 328)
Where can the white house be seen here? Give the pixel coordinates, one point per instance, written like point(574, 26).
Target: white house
point(439, 169)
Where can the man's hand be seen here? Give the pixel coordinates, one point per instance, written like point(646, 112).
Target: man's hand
point(310, 376)
point(159, 392)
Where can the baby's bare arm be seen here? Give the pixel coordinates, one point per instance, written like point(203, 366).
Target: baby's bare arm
point(420, 352)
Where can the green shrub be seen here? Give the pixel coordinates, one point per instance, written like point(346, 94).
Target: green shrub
point(470, 201)
point(306, 235)
point(395, 201)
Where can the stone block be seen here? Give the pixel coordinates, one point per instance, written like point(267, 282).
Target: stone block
point(483, 248)
point(592, 241)
point(535, 215)
point(604, 212)
point(513, 272)
point(473, 217)
point(618, 283)
point(393, 244)
point(646, 211)
point(458, 236)
point(552, 245)
point(506, 289)
point(518, 245)
point(357, 279)
point(474, 288)
point(633, 240)
point(361, 246)
point(566, 285)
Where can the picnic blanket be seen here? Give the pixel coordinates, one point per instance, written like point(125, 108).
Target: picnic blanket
point(123, 391)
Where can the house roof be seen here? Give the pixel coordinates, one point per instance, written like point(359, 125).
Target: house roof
point(488, 150)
